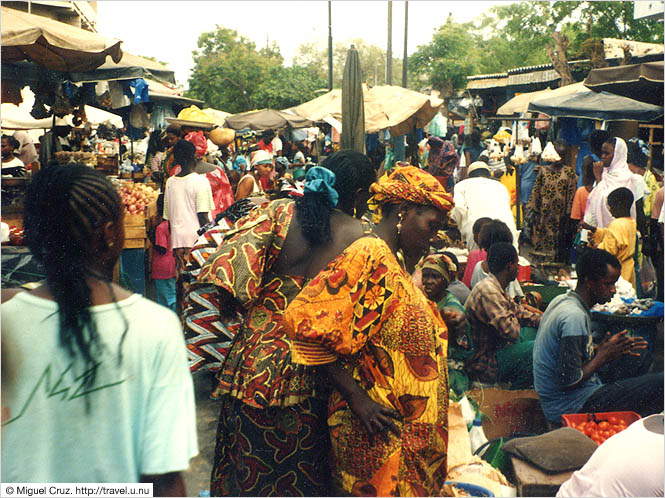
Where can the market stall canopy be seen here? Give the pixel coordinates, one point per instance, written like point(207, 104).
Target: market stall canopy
point(520, 103)
point(52, 44)
point(266, 119)
point(158, 91)
point(217, 115)
point(392, 107)
point(18, 117)
point(597, 105)
point(643, 82)
point(128, 68)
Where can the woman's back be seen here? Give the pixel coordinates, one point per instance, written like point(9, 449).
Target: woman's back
point(114, 430)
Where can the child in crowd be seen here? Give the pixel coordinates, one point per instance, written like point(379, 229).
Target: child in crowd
point(620, 236)
point(475, 255)
point(163, 261)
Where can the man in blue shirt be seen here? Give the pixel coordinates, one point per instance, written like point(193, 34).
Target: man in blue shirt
point(564, 363)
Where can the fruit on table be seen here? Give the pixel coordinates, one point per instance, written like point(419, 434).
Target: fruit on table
point(136, 197)
point(602, 430)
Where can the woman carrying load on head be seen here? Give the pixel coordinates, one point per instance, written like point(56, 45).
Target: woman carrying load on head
point(271, 436)
point(383, 345)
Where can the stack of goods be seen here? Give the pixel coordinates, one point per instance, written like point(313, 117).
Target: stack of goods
point(518, 156)
point(135, 196)
point(600, 426)
point(87, 158)
point(535, 147)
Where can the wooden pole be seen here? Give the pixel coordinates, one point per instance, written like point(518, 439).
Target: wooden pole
point(406, 29)
point(330, 47)
point(389, 54)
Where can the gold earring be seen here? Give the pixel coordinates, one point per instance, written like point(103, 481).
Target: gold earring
point(111, 244)
point(399, 224)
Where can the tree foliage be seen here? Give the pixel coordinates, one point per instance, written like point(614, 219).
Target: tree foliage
point(231, 74)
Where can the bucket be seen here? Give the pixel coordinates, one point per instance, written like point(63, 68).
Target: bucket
point(524, 270)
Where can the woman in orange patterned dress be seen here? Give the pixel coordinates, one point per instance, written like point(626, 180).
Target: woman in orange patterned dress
point(383, 345)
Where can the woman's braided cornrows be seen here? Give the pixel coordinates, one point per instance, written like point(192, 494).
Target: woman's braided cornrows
point(65, 208)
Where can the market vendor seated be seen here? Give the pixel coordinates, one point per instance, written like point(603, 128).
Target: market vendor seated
point(502, 350)
point(438, 270)
point(564, 361)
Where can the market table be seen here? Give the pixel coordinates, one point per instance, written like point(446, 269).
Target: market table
point(533, 482)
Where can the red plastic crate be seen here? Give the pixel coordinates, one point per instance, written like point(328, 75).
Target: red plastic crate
point(576, 418)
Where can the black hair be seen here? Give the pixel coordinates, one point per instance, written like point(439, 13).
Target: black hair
point(500, 255)
point(314, 210)
point(155, 142)
point(353, 171)
point(65, 210)
point(635, 155)
point(597, 139)
point(480, 172)
point(494, 232)
point(479, 223)
point(588, 177)
point(184, 153)
point(174, 129)
point(621, 198)
point(475, 137)
point(160, 204)
point(12, 141)
point(592, 264)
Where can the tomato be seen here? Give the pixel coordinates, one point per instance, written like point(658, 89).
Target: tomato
point(603, 425)
point(613, 420)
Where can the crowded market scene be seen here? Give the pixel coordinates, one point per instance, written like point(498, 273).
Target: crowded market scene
point(246, 265)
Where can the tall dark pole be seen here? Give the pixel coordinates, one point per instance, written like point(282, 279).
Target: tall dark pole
point(389, 54)
point(406, 30)
point(330, 47)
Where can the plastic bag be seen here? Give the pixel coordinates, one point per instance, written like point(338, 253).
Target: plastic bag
point(536, 148)
point(647, 278)
point(549, 154)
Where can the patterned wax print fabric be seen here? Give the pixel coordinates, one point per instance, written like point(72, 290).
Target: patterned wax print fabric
point(551, 202)
point(365, 311)
point(266, 452)
point(409, 184)
point(258, 369)
point(257, 375)
point(208, 336)
point(652, 188)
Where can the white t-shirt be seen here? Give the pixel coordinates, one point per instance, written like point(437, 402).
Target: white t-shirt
point(276, 145)
point(184, 197)
point(141, 418)
point(630, 463)
point(478, 198)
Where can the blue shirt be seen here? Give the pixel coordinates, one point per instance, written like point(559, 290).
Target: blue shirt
point(566, 317)
point(528, 176)
point(239, 161)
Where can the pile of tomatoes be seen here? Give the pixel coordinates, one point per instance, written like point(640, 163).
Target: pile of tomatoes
point(601, 431)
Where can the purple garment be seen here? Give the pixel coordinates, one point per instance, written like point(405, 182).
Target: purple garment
point(440, 154)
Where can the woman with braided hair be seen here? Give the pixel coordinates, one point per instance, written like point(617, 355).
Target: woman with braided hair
point(107, 396)
point(272, 438)
point(364, 322)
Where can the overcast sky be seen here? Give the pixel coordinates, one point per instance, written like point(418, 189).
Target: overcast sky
point(168, 30)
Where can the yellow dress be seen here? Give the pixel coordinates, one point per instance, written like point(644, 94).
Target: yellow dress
point(365, 311)
point(619, 239)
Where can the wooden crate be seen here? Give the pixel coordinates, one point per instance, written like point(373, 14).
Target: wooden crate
point(135, 232)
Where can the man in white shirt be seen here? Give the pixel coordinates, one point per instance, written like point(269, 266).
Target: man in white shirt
point(277, 146)
point(477, 197)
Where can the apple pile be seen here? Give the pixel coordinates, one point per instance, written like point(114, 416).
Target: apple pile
point(136, 197)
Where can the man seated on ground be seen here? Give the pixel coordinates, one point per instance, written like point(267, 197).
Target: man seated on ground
point(502, 351)
point(564, 362)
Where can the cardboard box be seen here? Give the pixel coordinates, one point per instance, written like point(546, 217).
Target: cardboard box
point(509, 411)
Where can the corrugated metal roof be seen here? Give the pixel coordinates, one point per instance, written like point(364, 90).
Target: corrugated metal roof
point(486, 76)
point(479, 84)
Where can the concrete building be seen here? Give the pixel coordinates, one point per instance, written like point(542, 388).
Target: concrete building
point(80, 14)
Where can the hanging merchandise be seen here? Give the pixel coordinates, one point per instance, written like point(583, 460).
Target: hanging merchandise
point(523, 132)
point(159, 114)
point(518, 156)
point(513, 135)
point(549, 154)
point(11, 92)
point(536, 148)
point(140, 93)
point(61, 104)
point(118, 97)
point(138, 117)
point(495, 151)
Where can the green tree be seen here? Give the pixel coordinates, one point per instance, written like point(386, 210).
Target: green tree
point(449, 58)
point(288, 87)
point(372, 62)
point(229, 71)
